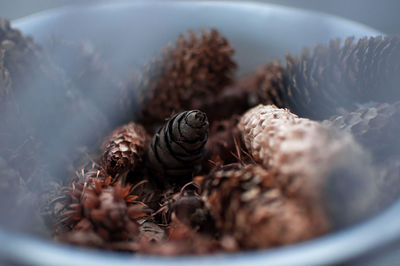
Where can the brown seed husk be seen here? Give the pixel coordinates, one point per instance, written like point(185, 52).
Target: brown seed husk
point(124, 149)
point(314, 161)
point(99, 207)
point(196, 68)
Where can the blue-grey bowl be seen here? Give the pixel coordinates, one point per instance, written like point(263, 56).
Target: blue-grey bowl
point(131, 33)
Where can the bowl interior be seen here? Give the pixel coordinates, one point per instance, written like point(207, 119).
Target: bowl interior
point(129, 34)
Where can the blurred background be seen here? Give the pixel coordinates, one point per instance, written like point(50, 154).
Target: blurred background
point(381, 15)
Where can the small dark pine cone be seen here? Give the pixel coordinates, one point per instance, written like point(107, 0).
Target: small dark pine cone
point(315, 162)
point(375, 126)
point(247, 204)
point(124, 149)
point(107, 210)
point(177, 149)
point(196, 68)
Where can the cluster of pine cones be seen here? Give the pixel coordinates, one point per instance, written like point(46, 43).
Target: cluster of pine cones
point(215, 163)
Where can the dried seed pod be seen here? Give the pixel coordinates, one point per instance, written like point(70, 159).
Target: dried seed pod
point(314, 161)
point(109, 211)
point(188, 208)
point(196, 68)
point(247, 204)
point(374, 126)
point(177, 149)
point(124, 150)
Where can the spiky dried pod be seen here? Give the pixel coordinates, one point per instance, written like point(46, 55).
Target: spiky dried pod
point(196, 68)
point(375, 126)
point(105, 209)
point(124, 149)
point(317, 84)
point(187, 207)
point(247, 204)
point(177, 149)
point(314, 161)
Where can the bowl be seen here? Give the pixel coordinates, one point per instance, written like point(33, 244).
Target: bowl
point(258, 32)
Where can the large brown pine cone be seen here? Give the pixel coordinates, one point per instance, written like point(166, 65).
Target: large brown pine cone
point(375, 126)
point(196, 68)
point(105, 209)
point(314, 161)
point(247, 203)
point(124, 149)
point(319, 83)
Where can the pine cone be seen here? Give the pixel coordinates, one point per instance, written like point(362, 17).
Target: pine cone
point(177, 149)
point(198, 67)
point(109, 211)
point(316, 85)
point(314, 161)
point(375, 127)
point(124, 150)
point(246, 203)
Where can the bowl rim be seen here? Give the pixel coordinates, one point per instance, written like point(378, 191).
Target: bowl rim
point(334, 247)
